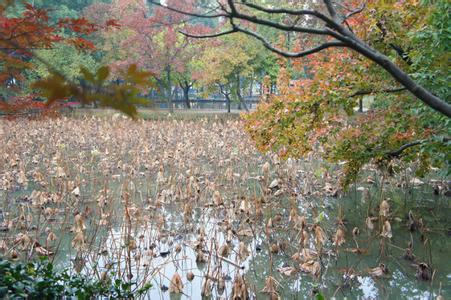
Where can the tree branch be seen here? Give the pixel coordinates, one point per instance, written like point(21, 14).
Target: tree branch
point(182, 12)
point(283, 53)
point(367, 92)
point(207, 36)
point(355, 12)
point(402, 53)
point(331, 9)
point(398, 152)
point(300, 12)
point(234, 13)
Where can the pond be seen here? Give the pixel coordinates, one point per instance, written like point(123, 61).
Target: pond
point(192, 207)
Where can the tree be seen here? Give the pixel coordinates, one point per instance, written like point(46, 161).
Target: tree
point(335, 27)
point(320, 110)
point(32, 29)
point(230, 65)
point(66, 58)
point(381, 49)
point(149, 38)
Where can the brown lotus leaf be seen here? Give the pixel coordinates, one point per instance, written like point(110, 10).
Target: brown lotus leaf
point(239, 288)
point(339, 238)
point(379, 271)
point(386, 230)
point(270, 286)
point(206, 287)
point(287, 271)
point(312, 266)
point(176, 285)
point(243, 251)
point(384, 208)
point(224, 250)
point(320, 235)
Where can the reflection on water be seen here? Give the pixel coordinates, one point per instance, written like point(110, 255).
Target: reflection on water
point(159, 258)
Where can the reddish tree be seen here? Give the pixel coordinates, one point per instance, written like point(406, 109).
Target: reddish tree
point(149, 37)
point(20, 36)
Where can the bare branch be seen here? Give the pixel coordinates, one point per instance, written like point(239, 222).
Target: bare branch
point(355, 12)
point(400, 150)
point(234, 13)
point(207, 36)
point(206, 16)
point(330, 9)
point(289, 11)
point(283, 53)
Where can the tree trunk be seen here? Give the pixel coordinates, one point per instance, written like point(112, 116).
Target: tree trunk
point(169, 89)
point(186, 86)
point(186, 97)
point(226, 95)
point(228, 103)
point(238, 93)
point(242, 102)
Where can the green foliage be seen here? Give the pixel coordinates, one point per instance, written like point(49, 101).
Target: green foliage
point(65, 58)
point(236, 60)
point(39, 280)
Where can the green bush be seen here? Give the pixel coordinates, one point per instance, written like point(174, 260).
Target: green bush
point(39, 280)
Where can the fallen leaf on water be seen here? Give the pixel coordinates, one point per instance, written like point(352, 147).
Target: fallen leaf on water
point(313, 267)
point(357, 250)
point(270, 286)
point(239, 288)
point(339, 238)
point(287, 271)
point(379, 271)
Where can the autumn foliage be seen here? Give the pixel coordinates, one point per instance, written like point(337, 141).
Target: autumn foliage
point(21, 36)
point(317, 113)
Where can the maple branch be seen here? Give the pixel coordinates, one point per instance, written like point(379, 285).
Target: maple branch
point(400, 150)
point(368, 92)
point(276, 25)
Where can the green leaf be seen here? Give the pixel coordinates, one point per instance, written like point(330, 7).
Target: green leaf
point(87, 75)
point(103, 73)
